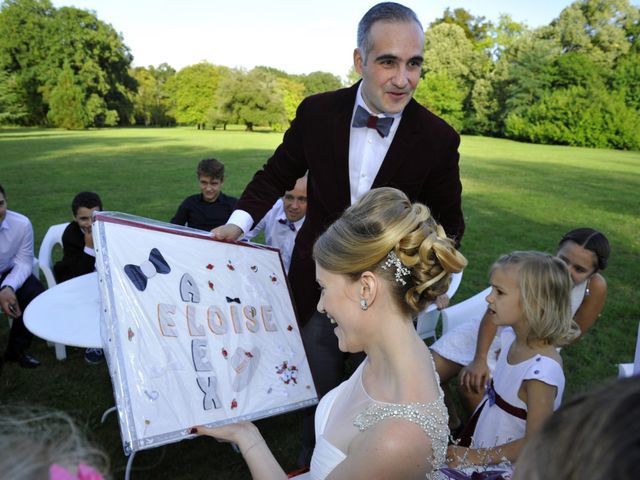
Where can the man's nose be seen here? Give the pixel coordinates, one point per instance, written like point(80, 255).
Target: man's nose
point(400, 79)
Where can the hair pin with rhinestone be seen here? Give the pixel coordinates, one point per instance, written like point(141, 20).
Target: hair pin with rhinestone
point(401, 271)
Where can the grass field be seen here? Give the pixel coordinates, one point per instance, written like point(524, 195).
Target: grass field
point(516, 196)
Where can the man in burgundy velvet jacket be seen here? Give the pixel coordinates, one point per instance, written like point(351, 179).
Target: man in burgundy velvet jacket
point(419, 156)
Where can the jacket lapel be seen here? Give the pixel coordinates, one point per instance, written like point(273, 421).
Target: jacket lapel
point(401, 148)
point(340, 132)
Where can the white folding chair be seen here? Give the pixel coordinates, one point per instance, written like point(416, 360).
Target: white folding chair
point(428, 319)
point(630, 369)
point(52, 238)
point(465, 311)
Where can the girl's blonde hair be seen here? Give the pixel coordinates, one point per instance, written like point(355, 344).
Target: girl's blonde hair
point(384, 221)
point(32, 439)
point(545, 295)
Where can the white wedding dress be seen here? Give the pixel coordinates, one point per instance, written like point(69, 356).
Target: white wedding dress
point(347, 410)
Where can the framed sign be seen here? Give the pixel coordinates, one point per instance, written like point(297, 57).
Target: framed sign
point(196, 331)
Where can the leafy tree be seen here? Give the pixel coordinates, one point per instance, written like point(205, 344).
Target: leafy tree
point(292, 94)
point(25, 32)
point(37, 41)
point(67, 109)
point(578, 116)
point(477, 29)
point(597, 28)
point(193, 92)
point(447, 49)
point(352, 76)
point(626, 79)
point(485, 108)
point(443, 96)
point(251, 98)
point(13, 105)
point(151, 102)
point(318, 82)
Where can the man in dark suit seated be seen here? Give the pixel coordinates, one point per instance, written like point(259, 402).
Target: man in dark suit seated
point(370, 135)
point(78, 255)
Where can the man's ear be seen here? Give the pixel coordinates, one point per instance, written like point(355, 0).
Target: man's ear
point(358, 60)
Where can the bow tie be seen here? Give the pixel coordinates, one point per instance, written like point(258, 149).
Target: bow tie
point(381, 124)
point(288, 223)
point(140, 274)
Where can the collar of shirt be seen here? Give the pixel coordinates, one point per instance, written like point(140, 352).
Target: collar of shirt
point(367, 150)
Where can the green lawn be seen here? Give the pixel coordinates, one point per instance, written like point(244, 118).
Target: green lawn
point(516, 196)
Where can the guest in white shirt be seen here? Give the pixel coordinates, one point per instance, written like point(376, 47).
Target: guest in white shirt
point(282, 223)
point(18, 286)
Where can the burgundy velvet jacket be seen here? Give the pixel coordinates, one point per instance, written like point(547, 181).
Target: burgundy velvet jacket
point(422, 161)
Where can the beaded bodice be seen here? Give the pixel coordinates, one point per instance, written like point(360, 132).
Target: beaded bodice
point(432, 417)
point(352, 411)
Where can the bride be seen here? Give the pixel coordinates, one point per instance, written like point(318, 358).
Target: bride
point(379, 264)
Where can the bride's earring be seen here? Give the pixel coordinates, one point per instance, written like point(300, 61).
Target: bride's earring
point(363, 304)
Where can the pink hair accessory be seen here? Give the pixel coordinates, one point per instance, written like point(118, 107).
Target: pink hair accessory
point(85, 472)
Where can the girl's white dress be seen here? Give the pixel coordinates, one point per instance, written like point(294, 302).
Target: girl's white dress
point(347, 410)
point(495, 426)
point(459, 345)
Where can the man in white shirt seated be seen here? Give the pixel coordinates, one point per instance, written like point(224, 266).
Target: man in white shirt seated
point(18, 286)
point(282, 223)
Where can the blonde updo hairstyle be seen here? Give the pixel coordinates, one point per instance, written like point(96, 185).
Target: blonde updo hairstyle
point(545, 295)
point(384, 220)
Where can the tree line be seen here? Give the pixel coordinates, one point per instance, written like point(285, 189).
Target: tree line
point(575, 81)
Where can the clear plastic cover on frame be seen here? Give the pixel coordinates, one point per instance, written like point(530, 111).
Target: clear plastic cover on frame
point(196, 331)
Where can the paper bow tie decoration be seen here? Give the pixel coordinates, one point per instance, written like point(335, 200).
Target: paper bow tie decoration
point(139, 275)
point(382, 125)
point(231, 300)
point(288, 223)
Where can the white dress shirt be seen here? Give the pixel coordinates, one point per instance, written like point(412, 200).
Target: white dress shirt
point(367, 150)
point(277, 234)
point(16, 249)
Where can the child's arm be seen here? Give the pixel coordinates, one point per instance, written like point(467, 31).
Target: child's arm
point(539, 397)
point(592, 305)
point(474, 376)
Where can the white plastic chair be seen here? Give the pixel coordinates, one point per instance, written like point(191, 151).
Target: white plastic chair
point(428, 319)
point(52, 238)
point(465, 311)
point(630, 369)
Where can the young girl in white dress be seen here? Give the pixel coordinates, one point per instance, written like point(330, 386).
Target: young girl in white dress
point(471, 350)
point(530, 297)
point(379, 264)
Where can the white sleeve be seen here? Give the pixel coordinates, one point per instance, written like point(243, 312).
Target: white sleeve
point(241, 219)
point(23, 261)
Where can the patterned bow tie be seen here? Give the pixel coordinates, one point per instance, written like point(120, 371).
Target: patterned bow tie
point(288, 223)
point(381, 124)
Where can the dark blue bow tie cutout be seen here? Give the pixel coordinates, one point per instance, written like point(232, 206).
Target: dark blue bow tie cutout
point(230, 300)
point(139, 275)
